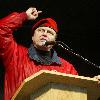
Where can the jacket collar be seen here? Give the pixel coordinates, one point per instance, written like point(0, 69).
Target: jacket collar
point(33, 54)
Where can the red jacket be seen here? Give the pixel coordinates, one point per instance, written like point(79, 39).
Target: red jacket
point(17, 63)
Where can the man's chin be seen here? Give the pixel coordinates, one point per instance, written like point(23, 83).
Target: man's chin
point(43, 47)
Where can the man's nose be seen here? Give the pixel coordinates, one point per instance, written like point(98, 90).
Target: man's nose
point(45, 33)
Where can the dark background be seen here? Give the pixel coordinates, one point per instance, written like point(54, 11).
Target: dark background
point(78, 25)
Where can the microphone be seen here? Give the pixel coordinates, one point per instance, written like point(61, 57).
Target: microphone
point(67, 48)
point(50, 43)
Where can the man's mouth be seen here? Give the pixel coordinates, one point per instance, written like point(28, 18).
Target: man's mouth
point(43, 39)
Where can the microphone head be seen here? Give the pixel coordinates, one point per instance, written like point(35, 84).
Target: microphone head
point(50, 43)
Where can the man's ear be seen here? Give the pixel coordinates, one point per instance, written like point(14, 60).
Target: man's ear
point(32, 37)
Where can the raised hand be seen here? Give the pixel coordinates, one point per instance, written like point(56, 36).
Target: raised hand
point(32, 13)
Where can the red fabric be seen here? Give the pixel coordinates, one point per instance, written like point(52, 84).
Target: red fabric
point(46, 22)
point(18, 65)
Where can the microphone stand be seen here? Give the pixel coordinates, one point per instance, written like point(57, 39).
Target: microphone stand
point(67, 48)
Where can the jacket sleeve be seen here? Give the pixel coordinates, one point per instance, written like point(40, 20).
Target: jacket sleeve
point(7, 27)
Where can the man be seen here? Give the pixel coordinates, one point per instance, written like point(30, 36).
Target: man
point(20, 62)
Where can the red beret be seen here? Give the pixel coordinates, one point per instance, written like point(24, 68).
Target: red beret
point(48, 22)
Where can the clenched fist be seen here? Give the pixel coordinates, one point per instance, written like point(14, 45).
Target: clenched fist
point(32, 13)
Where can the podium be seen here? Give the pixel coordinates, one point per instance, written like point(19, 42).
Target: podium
point(51, 85)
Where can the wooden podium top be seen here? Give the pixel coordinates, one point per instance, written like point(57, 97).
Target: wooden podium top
point(43, 77)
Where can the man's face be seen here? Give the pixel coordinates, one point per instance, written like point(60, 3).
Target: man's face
point(41, 35)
